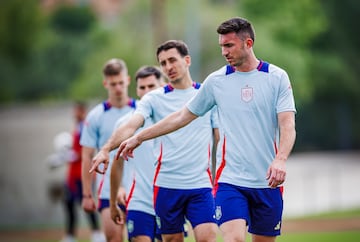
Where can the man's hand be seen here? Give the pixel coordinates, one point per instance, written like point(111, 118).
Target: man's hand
point(116, 214)
point(121, 196)
point(276, 173)
point(126, 148)
point(100, 157)
point(88, 204)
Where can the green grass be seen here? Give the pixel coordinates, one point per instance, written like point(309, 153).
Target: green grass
point(348, 236)
point(343, 236)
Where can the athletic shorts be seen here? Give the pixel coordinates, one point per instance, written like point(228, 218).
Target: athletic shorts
point(172, 206)
point(260, 207)
point(105, 203)
point(73, 193)
point(141, 223)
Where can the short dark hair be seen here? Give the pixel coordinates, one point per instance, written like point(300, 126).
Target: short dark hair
point(178, 44)
point(146, 71)
point(114, 67)
point(238, 25)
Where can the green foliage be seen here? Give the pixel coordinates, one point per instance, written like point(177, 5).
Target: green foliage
point(20, 23)
point(313, 40)
point(73, 19)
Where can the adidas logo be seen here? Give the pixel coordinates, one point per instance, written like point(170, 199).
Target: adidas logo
point(278, 226)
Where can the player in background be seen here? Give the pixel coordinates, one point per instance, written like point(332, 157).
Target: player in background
point(140, 214)
point(98, 127)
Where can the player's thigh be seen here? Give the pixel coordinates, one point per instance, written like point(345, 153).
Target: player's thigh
point(176, 237)
point(233, 230)
point(205, 232)
point(112, 231)
point(200, 207)
point(261, 238)
point(141, 238)
point(230, 204)
point(169, 204)
point(140, 225)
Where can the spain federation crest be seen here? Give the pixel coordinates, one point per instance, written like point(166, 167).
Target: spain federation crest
point(158, 223)
point(218, 213)
point(247, 94)
point(130, 226)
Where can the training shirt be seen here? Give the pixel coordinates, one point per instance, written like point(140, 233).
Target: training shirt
point(98, 127)
point(248, 104)
point(139, 173)
point(183, 155)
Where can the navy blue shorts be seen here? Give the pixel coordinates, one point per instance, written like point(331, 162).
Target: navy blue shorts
point(260, 207)
point(172, 206)
point(105, 203)
point(141, 223)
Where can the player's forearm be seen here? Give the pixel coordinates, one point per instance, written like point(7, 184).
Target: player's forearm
point(86, 177)
point(287, 137)
point(123, 132)
point(167, 125)
point(115, 179)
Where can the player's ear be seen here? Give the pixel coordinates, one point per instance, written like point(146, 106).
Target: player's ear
point(188, 60)
point(249, 42)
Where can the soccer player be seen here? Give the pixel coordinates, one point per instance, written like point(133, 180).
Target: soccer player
point(257, 132)
point(98, 127)
point(140, 214)
point(182, 182)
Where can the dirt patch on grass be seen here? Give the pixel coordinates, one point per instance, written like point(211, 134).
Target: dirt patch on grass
point(321, 225)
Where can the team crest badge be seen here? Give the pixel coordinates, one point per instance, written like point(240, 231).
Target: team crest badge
point(247, 94)
point(130, 226)
point(158, 222)
point(218, 213)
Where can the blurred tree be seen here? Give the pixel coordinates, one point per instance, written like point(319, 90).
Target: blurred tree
point(336, 85)
point(20, 25)
point(45, 68)
point(73, 19)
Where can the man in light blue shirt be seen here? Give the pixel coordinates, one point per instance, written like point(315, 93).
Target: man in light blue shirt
point(257, 132)
point(98, 126)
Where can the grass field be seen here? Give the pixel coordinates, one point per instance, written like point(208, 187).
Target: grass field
point(345, 227)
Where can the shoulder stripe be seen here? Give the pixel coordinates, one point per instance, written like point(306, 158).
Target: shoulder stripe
point(196, 85)
point(229, 69)
point(168, 88)
point(132, 103)
point(106, 105)
point(263, 66)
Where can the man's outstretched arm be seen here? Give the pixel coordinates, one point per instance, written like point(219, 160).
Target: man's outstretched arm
point(167, 125)
point(120, 134)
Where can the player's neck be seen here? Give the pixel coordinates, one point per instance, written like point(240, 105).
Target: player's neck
point(119, 102)
point(250, 64)
point(183, 83)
